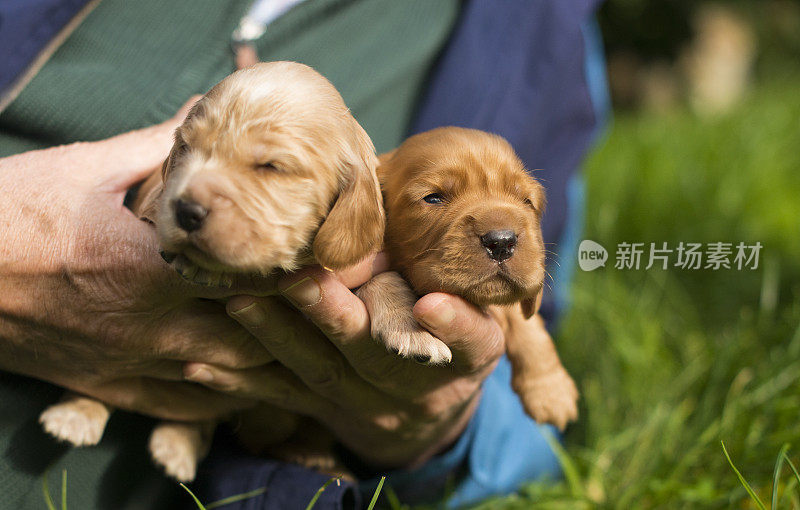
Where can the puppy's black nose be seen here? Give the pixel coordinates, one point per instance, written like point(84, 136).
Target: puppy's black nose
point(499, 244)
point(189, 215)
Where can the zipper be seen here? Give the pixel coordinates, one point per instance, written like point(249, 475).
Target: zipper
point(253, 26)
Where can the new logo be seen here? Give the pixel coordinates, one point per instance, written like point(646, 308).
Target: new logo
point(591, 255)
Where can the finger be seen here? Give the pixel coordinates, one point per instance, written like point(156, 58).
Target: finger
point(329, 304)
point(473, 336)
point(168, 400)
point(202, 331)
point(267, 285)
point(343, 319)
point(126, 159)
point(273, 384)
point(163, 369)
point(357, 275)
point(299, 346)
point(241, 283)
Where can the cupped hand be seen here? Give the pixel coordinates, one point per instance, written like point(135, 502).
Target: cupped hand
point(85, 300)
point(391, 412)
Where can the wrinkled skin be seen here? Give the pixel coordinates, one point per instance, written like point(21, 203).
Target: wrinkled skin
point(85, 300)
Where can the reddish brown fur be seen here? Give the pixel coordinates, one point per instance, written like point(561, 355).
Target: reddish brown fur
point(437, 248)
point(486, 187)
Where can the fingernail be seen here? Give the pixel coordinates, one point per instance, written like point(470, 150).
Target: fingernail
point(438, 316)
point(304, 293)
point(167, 256)
point(250, 315)
point(201, 375)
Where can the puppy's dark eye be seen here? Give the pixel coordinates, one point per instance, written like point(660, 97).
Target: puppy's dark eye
point(266, 166)
point(434, 198)
point(529, 203)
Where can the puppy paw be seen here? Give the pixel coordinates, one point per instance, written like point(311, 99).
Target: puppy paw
point(178, 448)
point(415, 343)
point(80, 421)
point(551, 398)
point(390, 302)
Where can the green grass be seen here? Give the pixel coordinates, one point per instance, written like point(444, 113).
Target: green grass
point(672, 362)
point(48, 499)
point(776, 502)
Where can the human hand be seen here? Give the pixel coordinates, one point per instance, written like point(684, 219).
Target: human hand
point(85, 300)
point(389, 411)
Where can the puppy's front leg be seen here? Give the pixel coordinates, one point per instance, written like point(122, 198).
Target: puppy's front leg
point(76, 419)
point(179, 447)
point(390, 303)
point(546, 390)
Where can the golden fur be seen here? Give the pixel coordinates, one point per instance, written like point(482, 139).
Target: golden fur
point(436, 247)
point(287, 177)
point(285, 171)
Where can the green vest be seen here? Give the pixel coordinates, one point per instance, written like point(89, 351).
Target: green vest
point(133, 63)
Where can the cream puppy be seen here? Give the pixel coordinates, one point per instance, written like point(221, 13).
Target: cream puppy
point(268, 172)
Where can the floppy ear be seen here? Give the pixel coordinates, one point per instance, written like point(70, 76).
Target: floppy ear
point(179, 145)
point(147, 198)
point(530, 306)
point(538, 197)
point(383, 167)
point(386, 156)
point(355, 224)
point(177, 148)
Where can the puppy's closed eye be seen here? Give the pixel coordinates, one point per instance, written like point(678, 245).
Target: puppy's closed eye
point(267, 167)
point(278, 165)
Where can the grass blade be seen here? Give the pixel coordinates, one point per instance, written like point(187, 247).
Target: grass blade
point(197, 501)
point(64, 490)
point(237, 497)
point(377, 493)
point(319, 492)
point(794, 469)
point(48, 500)
point(776, 475)
point(567, 466)
point(391, 497)
point(744, 483)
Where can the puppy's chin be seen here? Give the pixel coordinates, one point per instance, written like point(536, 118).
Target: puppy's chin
point(265, 264)
point(481, 282)
point(498, 289)
point(204, 260)
point(181, 250)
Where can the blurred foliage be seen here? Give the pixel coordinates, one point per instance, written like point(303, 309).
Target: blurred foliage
point(653, 30)
point(658, 30)
point(671, 362)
